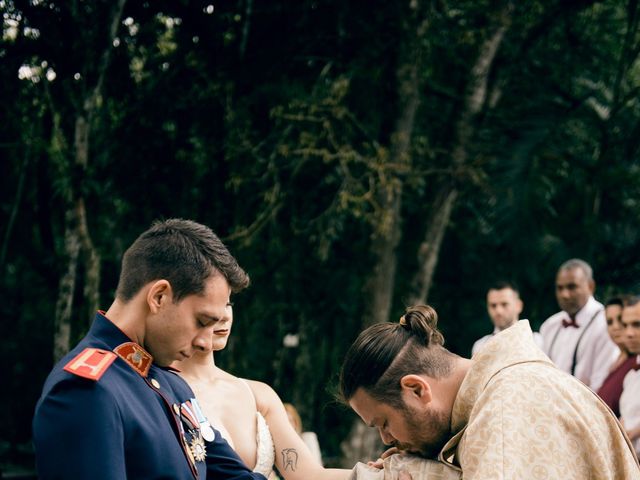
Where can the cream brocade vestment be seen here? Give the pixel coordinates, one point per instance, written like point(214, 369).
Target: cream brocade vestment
point(419, 469)
point(517, 416)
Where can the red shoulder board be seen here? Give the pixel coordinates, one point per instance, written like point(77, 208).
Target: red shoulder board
point(91, 363)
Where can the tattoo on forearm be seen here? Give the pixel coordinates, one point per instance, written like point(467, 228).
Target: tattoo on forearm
point(290, 459)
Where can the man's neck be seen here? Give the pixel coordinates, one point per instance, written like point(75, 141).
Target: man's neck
point(500, 329)
point(577, 312)
point(129, 318)
point(451, 384)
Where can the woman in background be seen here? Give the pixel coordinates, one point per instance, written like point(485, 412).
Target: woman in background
point(611, 388)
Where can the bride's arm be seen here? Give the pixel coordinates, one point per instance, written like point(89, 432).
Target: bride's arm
point(293, 458)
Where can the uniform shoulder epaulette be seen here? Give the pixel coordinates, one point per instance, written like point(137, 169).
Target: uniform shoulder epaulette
point(91, 363)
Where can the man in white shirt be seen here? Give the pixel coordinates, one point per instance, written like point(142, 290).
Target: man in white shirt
point(576, 338)
point(504, 307)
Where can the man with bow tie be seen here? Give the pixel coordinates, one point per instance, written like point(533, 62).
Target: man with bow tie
point(576, 338)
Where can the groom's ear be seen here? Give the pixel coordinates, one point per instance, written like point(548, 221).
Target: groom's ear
point(417, 388)
point(159, 294)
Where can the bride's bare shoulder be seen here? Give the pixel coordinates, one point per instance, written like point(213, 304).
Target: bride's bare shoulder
point(259, 388)
point(224, 386)
point(225, 376)
point(237, 387)
point(266, 397)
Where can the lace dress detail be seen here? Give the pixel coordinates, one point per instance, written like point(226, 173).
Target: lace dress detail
point(266, 454)
point(265, 449)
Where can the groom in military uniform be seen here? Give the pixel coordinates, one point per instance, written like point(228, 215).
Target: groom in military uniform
point(112, 408)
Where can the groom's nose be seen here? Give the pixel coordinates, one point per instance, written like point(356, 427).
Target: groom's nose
point(387, 438)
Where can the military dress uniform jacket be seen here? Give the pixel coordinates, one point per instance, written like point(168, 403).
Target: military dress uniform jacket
point(107, 412)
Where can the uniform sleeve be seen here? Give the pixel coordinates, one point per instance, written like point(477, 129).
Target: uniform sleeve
point(78, 433)
point(223, 463)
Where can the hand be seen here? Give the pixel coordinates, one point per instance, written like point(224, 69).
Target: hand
point(387, 453)
point(376, 463)
point(404, 475)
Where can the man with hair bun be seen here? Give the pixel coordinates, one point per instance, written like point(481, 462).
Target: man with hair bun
point(508, 413)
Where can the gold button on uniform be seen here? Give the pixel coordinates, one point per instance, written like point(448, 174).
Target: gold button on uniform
point(176, 408)
point(155, 383)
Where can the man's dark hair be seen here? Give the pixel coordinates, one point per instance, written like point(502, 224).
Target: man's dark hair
point(617, 300)
point(632, 300)
point(502, 284)
point(385, 352)
point(623, 300)
point(184, 253)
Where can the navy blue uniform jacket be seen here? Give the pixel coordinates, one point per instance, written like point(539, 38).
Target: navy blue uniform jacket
point(122, 426)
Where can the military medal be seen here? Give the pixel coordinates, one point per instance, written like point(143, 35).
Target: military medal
point(189, 451)
point(197, 448)
point(205, 427)
point(208, 433)
point(189, 416)
point(185, 443)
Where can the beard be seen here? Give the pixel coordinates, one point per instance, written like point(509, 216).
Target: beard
point(429, 431)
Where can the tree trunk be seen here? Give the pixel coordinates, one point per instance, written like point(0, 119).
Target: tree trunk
point(379, 288)
point(62, 321)
point(246, 27)
point(429, 249)
point(16, 203)
point(91, 261)
point(78, 243)
point(362, 442)
point(442, 207)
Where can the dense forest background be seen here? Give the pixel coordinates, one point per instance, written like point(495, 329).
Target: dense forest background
point(355, 156)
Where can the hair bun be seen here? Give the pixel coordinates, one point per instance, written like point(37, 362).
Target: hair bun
point(422, 321)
